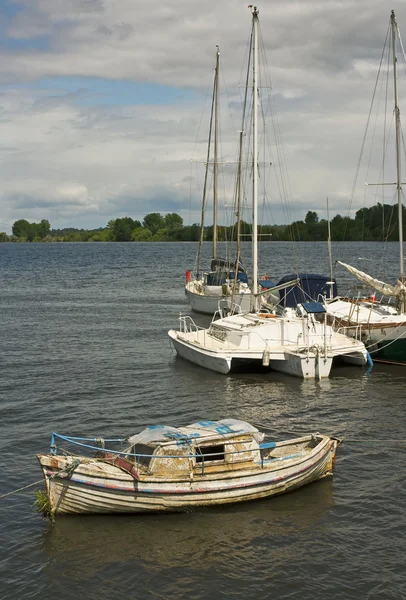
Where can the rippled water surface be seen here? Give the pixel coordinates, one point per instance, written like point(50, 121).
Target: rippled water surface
point(84, 350)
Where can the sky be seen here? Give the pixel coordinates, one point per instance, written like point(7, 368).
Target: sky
point(103, 103)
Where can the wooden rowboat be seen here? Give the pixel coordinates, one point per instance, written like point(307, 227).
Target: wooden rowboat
point(173, 469)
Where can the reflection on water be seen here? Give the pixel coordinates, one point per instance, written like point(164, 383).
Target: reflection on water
point(84, 350)
point(229, 535)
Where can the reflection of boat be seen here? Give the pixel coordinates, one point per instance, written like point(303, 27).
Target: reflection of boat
point(298, 344)
point(169, 469)
point(226, 278)
point(78, 545)
point(383, 325)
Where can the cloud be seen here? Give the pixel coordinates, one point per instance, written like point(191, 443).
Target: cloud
point(104, 105)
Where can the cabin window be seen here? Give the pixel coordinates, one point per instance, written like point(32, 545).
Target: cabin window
point(145, 451)
point(207, 453)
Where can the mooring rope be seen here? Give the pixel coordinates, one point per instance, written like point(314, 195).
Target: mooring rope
point(68, 470)
point(22, 488)
point(388, 344)
point(347, 441)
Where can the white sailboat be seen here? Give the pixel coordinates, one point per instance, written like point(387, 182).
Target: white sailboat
point(383, 325)
point(225, 278)
point(297, 344)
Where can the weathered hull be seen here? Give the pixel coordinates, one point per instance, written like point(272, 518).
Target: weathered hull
point(96, 487)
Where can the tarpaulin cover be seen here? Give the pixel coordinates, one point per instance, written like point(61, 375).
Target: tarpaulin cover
point(311, 287)
point(165, 433)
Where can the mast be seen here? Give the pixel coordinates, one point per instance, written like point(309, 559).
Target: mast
point(215, 172)
point(238, 256)
point(398, 170)
point(213, 104)
point(255, 13)
point(331, 282)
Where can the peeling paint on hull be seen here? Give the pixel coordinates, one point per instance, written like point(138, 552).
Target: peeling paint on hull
point(93, 488)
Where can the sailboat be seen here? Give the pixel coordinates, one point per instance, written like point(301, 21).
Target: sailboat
point(226, 278)
point(301, 344)
point(382, 324)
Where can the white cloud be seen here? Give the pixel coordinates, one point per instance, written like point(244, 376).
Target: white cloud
point(64, 154)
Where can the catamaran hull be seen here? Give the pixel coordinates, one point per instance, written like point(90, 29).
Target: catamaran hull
point(199, 356)
point(96, 487)
point(306, 365)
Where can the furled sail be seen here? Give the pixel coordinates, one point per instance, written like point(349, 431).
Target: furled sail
point(380, 286)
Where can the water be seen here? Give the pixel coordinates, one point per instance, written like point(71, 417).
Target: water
point(84, 351)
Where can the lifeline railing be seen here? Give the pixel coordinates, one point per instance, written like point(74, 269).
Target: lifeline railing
point(187, 324)
point(348, 330)
point(78, 442)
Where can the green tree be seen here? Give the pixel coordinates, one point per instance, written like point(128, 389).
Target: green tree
point(21, 228)
point(162, 235)
point(140, 234)
point(154, 222)
point(122, 229)
point(311, 217)
point(3, 236)
point(173, 221)
point(43, 228)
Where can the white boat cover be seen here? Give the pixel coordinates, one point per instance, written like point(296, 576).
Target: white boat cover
point(380, 286)
point(165, 433)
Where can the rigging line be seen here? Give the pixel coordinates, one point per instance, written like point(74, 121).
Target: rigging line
point(281, 174)
point(366, 129)
point(206, 173)
point(355, 441)
point(371, 147)
point(229, 102)
point(25, 487)
point(391, 228)
point(284, 183)
point(400, 42)
point(382, 178)
point(400, 336)
point(384, 147)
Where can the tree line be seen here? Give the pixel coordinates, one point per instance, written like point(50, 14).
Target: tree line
point(378, 223)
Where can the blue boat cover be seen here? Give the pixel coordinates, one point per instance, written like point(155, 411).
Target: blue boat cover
point(313, 307)
point(202, 429)
point(220, 277)
point(266, 283)
point(311, 287)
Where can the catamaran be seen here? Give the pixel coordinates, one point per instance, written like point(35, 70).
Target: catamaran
point(300, 343)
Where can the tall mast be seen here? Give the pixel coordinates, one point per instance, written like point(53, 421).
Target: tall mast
point(398, 170)
point(331, 282)
point(215, 173)
point(213, 103)
point(238, 255)
point(255, 13)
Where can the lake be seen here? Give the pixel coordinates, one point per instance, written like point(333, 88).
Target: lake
point(84, 351)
